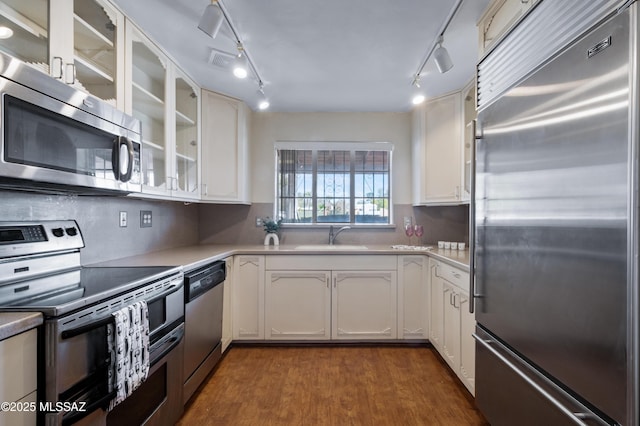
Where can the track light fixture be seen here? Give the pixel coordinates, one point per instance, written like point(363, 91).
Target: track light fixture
point(240, 66)
point(263, 102)
point(418, 96)
point(212, 19)
point(441, 57)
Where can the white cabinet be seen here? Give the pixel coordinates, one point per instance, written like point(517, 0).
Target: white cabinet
point(413, 297)
point(248, 297)
point(469, 136)
point(452, 325)
point(363, 305)
point(437, 152)
point(166, 103)
point(227, 306)
point(498, 18)
point(18, 376)
point(436, 330)
point(339, 297)
point(78, 42)
point(224, 149)
point(298, 305)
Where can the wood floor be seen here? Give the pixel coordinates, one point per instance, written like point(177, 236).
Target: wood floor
point(351, 385)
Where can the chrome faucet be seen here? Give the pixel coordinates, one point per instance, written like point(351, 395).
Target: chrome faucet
point(332, 235)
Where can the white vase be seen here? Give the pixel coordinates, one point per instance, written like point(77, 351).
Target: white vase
point(272, 236)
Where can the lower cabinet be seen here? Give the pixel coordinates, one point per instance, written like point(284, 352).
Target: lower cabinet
point(364, 305)
point(413, 297)
point(331, 297)
point(248, 297)
point(18, 376)
point(298, 305)
point(227, 306)
point(452, 325)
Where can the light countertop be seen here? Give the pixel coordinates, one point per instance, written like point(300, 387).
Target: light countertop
point(192, 257)
point(12, 323)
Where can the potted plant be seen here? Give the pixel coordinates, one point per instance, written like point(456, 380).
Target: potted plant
point(271, 227)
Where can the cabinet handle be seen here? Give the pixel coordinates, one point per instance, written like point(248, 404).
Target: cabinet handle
point(206, 188)
point(455, 274)
point(456, 301)
point(328, 285)
point(335, 282)
point(57, 63)
point(71, 71)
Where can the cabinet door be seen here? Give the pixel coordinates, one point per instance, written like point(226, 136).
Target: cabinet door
point(298, 305)
point(185, 173)
point(248, 298)
point(227, 306)
point(147, 102)
point(439, 177)
point(413, 297)
point(451, 342)
point(223, 148)
point(467, 344)
point(364, 305)
point(29, 22)
point(18, 366)
point(436, 332)
point(98, 53)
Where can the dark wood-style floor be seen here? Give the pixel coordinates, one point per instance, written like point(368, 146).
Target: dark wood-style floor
point(351, 385)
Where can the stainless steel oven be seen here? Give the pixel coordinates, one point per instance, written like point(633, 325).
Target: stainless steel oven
point(55, 136)
point(40, 271)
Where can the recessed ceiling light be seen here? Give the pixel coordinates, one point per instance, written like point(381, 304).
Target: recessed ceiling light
point(5, 32)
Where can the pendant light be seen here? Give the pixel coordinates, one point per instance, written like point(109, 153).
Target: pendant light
point(211, 20)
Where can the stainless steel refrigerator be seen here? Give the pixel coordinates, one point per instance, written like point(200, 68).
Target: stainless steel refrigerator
point(555, 237)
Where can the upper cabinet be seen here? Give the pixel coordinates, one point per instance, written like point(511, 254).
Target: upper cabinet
point(78, 42)
point(166, 102)
point(224, 149)
point(498, 18)
point(436, 152)
point(469, 132)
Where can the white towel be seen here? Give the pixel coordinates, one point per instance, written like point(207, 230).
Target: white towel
point(128, 342)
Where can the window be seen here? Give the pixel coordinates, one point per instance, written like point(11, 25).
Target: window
point(333, 183)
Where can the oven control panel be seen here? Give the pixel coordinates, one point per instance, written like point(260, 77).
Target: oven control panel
point(27, 238)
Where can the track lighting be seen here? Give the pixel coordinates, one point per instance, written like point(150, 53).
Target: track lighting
point(418, 96)
point(211, 20)
point(441, 57)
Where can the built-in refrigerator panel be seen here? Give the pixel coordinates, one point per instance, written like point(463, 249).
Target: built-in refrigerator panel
point(551, 216)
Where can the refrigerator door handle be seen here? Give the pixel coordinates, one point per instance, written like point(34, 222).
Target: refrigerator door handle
point(472, 217)
point(575, 417)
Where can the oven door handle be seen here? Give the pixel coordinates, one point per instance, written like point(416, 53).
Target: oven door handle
point(166, 347)
point(165, 293)
point(67, 334)
point(100, 403)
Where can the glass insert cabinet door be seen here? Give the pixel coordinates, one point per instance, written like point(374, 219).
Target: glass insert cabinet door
point(74, 41)
point(24, 31)
point(148, 104)
point(95, 35)
point(186, 156)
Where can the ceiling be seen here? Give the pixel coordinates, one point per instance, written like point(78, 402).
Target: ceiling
point(330, 55)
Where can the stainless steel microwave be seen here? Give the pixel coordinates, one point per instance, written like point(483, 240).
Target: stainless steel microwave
point(54, 136)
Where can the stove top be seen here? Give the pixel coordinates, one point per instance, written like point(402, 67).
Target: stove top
point(64, 292)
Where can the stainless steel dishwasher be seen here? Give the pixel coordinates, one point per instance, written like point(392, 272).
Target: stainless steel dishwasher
point(203, 291)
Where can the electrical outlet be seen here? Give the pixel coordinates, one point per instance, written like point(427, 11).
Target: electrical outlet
point(407, 221)
point(145, 219)
point(123, 219)
point(259, 221)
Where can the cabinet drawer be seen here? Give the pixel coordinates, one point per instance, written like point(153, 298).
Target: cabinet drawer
point(18, 365)
point(347, 262)
point(453, 275)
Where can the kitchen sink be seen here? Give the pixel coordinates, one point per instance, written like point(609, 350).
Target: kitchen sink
point(329, 247)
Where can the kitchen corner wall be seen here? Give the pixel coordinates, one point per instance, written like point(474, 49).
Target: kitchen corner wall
point(174, 224)
point(235, 224)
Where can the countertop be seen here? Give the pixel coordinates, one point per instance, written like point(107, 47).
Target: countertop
point(12, 323)
point(192, 257)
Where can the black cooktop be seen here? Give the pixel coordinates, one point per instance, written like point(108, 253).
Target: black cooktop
point(68, 291)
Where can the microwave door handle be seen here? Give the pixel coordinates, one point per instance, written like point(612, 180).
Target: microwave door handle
point(125, 175)
point(115, 158)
